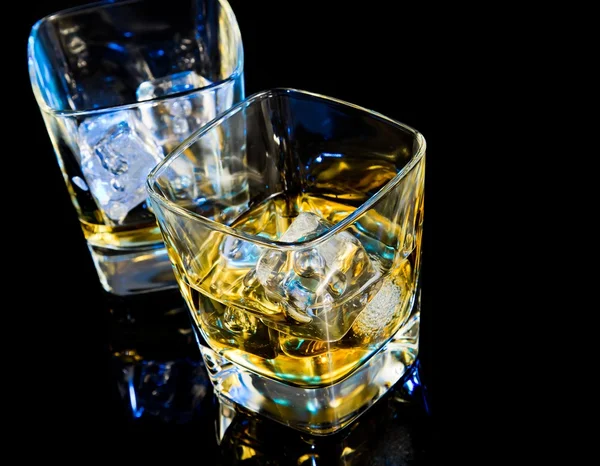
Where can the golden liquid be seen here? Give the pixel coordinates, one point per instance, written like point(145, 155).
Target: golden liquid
point(239, 321)
point(123, 237)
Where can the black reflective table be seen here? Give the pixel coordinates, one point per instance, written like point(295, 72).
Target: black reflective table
point(160, 392)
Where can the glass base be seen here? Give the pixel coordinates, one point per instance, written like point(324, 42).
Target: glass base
point(395, 431)
point(129, 273)
point(318, 411)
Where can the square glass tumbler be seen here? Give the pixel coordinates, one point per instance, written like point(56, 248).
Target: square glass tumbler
point(299, 257)
point(119, 85)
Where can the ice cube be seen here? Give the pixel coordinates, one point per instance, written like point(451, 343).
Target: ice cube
point(117, 153)
point(324, 286)
point(379, 313)
point(178, 82)
point(239, 253)
point(239, 321)
point(172, 120)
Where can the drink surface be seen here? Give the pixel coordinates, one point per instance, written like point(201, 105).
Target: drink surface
point(309, 317)
point(111, 237)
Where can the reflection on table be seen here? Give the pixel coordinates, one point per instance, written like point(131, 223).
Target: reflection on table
point(161, 388)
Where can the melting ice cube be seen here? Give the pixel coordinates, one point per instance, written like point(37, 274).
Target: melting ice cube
point(239, 253)
point(172, 120)
point(117, 153)
point(380, 311)
point(329, 282)
point(172, 84)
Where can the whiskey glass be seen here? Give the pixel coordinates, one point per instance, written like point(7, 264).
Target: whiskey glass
point(297, 250)
point(120, 85)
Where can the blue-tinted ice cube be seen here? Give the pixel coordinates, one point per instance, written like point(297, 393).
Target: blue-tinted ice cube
point(239, 253)
point(172, 120)
point(172, 84)
point(117, 153)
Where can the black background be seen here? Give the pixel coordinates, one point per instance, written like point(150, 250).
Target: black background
point(404, 60)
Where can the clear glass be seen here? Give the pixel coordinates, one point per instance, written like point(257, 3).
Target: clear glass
point(120, 85)
point(299, 255)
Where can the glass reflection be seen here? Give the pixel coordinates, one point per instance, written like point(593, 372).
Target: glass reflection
point(395, 431)
point(162, 391)
point(157, 369)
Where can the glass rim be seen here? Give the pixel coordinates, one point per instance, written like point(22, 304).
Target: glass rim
point(259, 240)
point(236, 73)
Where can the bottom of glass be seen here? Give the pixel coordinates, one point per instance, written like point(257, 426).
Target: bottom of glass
point(127, 273)
point(318, 411)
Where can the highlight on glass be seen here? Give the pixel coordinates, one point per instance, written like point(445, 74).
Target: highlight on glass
point(299, 255)
point(120, 85)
